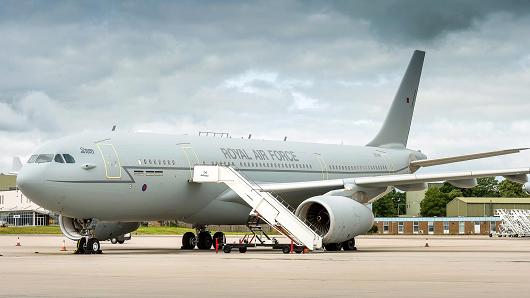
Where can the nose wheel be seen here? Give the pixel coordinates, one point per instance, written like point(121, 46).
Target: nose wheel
point(88, 246)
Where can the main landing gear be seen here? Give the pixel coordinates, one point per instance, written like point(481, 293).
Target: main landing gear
point(348, 245)
point(203, 240)
point(88, 244)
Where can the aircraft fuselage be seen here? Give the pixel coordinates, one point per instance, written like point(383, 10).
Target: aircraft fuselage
point(140, 177)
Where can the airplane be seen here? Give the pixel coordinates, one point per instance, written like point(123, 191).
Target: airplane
point(104, 184)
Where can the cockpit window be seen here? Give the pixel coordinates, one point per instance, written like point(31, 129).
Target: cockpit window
point(59, 158)
point(69, 158)
point(43, 158)
point(32, 158)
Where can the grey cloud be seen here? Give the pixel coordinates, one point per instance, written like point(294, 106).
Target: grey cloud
point(410, 20)
point(313, 71)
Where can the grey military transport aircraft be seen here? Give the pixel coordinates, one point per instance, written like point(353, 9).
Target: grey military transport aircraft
point(104, 184)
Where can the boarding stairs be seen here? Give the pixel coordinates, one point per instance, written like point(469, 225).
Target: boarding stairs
point(267, 207)
point(515, 222)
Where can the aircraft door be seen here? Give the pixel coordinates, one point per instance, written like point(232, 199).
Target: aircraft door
point(323, 166)
point(111, 160)
point(388, 161)
point(190, 156)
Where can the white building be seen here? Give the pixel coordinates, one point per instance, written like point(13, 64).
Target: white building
point(17, 210)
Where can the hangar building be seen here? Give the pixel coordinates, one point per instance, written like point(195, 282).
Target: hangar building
point(17, 210)
point(467, 206)
point(437, 225)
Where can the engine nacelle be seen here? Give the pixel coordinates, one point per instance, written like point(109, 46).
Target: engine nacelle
point(337, 218)
point(526, 187)
point(104, 230)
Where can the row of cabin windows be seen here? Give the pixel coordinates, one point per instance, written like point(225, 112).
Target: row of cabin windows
point(159, 162)
point(358, 168)
point(244, 164)
point(58, 158)
point(274, 165)
point(148, 173)
point(168, 162)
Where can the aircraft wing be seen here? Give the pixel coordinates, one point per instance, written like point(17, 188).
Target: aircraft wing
point(416, 164)
point(518, 175)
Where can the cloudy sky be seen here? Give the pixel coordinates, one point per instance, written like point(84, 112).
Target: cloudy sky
point(312, 71)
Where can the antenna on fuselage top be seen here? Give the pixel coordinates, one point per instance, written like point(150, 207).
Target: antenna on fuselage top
point(249, 136)
point(285, 139)
point(114, 128)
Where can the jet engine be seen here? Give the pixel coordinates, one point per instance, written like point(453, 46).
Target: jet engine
point(526, 187)
point(337, 218)
point(104, 230)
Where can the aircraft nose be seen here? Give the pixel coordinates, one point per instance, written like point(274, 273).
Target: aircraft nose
point(29, 181)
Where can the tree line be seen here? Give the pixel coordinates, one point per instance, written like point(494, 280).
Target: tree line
point(436, 198)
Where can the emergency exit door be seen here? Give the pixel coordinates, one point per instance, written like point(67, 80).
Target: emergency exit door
point(191, 157)
point(111, 161)
point(323, 166)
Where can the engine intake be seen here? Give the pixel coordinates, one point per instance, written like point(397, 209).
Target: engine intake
point(104, 230)
point(337, 218)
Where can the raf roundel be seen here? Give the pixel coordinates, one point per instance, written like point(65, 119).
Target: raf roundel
point(144, 187)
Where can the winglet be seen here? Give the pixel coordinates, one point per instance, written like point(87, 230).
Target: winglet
point(395, 129)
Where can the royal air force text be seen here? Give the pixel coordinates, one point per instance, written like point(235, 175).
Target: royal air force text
point(270, 155)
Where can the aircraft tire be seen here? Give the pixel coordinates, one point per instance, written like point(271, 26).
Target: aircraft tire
point(188, 240)
point(205, 240)
point(222, 238)
point(349, 244)
point(227, 249)
point(333, 246)
point(92, 246)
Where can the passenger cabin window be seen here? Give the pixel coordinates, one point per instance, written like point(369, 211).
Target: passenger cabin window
point(58, 158)
point(69, 158)
point(44, 158)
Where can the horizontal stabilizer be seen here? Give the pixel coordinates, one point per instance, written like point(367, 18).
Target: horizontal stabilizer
point(416, 164)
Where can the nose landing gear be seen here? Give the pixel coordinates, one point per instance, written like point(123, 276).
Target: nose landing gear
point(88, 244)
